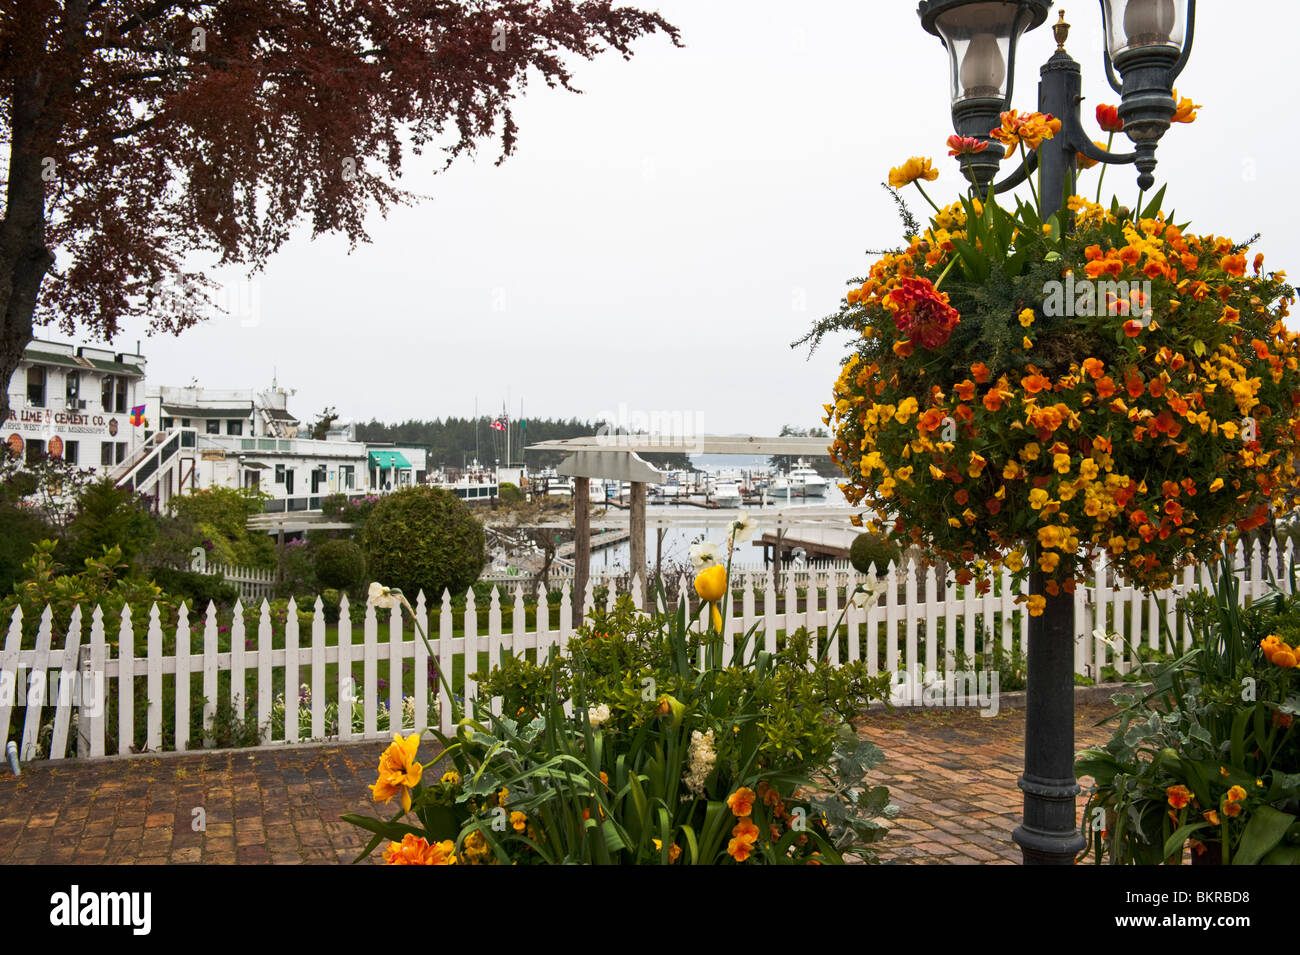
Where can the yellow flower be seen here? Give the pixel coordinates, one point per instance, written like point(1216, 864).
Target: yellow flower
point(1026, 344)
point(711, 583)
point(1037, 603)
point(912, 170)
point(399, 772)
point(1049, 561)
point(451, 777)
point(1037, 498)
point(1216, 484)
point(519, 821)
point(1014, 561)
point(1027, 317)
point(1061, 462)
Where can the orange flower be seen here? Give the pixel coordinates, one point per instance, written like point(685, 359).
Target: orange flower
point(993, 400)
point(1179, 796)
point(1105, 387)
point(903, 349)
point(741, 802)
point(1234, 265)
point(1186, 111)
point(1033, 384)
point(1132, 328)
point(741, 849)
point(929, 421)
point(965, 390)
point(1094, 367)
point(980, 371)
point(415, 850)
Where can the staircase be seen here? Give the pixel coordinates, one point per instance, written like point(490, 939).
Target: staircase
point(161, 467)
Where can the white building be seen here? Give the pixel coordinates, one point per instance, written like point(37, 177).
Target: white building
point(90, 407)
point(75, 402)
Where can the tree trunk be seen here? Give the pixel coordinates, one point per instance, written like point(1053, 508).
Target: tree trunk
point(38, 104)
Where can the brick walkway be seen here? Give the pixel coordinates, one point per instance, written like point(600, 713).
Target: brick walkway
point(952, 773)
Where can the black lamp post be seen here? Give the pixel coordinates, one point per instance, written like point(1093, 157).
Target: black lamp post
point(1147, 42)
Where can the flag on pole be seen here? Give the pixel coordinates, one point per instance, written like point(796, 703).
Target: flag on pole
point(499, 424)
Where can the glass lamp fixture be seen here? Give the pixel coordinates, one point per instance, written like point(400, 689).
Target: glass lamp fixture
point(981, 38)
point(1147, 44)
point(1134, 24)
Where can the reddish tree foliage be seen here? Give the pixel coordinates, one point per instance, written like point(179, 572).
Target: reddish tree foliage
point(141, 131)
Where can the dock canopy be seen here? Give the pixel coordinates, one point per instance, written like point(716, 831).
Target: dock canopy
point(388, 459)
point(611, 465)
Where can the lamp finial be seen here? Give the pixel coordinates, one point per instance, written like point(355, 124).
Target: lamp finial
point(1060, 30)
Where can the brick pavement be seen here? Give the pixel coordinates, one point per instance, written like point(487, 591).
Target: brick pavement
point(952, 773)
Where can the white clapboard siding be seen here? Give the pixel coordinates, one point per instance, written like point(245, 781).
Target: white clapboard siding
point(114, 684)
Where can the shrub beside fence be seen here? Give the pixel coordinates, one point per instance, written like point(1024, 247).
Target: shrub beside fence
point(108, 690)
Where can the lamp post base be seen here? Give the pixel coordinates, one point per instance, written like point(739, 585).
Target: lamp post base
point(1051, 838)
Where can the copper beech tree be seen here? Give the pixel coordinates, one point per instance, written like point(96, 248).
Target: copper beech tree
point(140, 132)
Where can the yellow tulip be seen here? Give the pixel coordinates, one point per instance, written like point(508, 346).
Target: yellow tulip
point(711, 583)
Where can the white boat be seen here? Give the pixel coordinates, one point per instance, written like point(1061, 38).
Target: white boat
point(801, 481)
point(727, 494)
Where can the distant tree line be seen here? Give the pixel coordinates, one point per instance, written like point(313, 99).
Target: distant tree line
point(453, 442)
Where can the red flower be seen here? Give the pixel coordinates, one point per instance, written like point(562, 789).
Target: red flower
point(1108, 118)
point(965, 145)
point(922, 313)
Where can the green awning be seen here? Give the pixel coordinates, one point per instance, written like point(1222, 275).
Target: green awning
point(388, 459)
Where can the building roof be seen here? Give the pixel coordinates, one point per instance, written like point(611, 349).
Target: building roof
point(54, 355)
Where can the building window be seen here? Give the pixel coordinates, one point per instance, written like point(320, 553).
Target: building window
point(119, 452)
point(347, 477)
point(72, 451)
point(214, 426)
point(36, 386)
point(168, 423)
point(35, 449)
point(185, 422)
point(234, 427)
point(106, 454)
point(73, 389)
point(279, 474)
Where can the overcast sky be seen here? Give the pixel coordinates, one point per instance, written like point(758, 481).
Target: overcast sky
point(657, 242)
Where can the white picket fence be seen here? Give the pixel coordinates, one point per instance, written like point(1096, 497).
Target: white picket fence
point(919, 625)
point(558, 576)
point(251, 582)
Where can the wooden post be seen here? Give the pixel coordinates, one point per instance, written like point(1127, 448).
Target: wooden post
point(581, 543)
point(659, 554)
point(636, 546)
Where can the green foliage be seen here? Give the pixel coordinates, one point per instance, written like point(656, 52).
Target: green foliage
point(510, 493)
point(217, 520)
point(1217, 721)
point(340, 564)
point(424, 538)
point(872, 552)
point(100, 582)
point(108, 516)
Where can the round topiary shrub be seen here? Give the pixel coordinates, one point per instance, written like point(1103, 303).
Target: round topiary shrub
point(340, 564)
point(871, 552)
point(510, 493)
point(423, 538)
